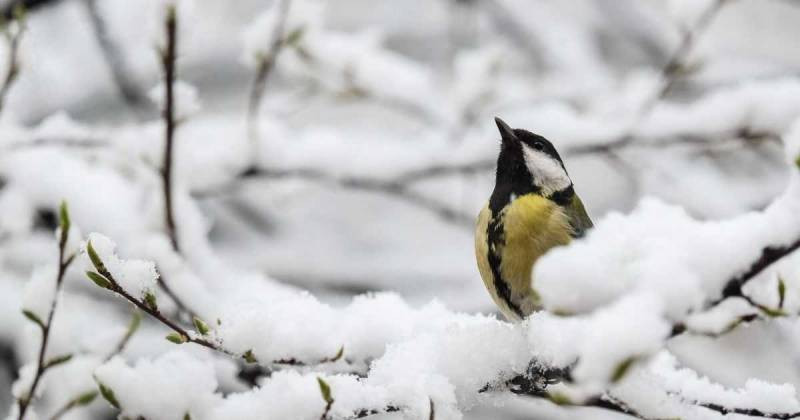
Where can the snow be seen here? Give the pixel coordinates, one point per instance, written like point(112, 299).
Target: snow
point(137, 277)
point(22, 385)
point(659, 247)
point(187, 102)
point(14, 414)
point(719, 318)
point(755, 393)
point(297, 396)
point(257, 37)
point(171, 386)
point(16, 212)
point(688, 12)
point(72, 379)
point(74, 240)
point(40, 292)
point(300, 269)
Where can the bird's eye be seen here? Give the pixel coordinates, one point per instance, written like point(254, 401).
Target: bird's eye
point(538, 145)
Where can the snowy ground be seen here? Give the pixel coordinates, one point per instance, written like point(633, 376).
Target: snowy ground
point(391, 89)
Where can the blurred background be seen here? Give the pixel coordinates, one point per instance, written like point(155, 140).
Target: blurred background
point(354, 156)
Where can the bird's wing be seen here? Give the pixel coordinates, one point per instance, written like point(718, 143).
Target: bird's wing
point(578, 218)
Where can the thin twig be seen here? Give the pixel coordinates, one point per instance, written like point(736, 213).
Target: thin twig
point(79, 401)
point(68, 142)
point(668, 75)
point(13, 37)
point(126, 338)
point(400, 187)
point(87, 397)
point(610, 403)
point(184, 335)
point(265, 65)
point(182, 308)
point(676, 63)
point(168, 58)
point(128, 88)
point(64, 262)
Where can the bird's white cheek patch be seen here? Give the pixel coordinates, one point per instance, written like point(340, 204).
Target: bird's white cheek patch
point(547, 172)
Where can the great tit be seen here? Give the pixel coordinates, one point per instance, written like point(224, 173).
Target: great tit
point(532, 209)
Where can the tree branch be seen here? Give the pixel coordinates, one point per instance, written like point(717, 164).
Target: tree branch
point(79, 401)
point(168, 58)
point(13, 32)
point(265, 65)
point(87, 397)
point(42, 366)
point(108, 281)
point(769, 256)
point(128, 88)
point(133, 326)
point(751, 412)
point(675, 65)
point(399, 187)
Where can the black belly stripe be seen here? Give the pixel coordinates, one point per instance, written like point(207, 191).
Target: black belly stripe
point(496, 239)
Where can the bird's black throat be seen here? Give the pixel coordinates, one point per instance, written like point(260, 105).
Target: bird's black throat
point(513, 180)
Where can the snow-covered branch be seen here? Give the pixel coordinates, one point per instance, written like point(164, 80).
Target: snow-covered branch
point(141, 277)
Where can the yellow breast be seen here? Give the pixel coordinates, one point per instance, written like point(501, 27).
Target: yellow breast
point(532, 225)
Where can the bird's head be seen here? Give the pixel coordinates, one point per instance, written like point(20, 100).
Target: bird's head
point(529, 163)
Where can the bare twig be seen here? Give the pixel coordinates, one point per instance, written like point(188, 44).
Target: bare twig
point(509, 26)
point(183, 309)
point(669, 74)
point(168, 58)
point(42, 365)
point(607, 402)
point(128, 88)
point(79, 401)
point(136, 319)
point(68, 142)
point(676, 64)
point(13, 32)
point(399, 187)
point(265, 64)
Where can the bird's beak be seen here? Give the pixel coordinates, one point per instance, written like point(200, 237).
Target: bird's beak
point(506, 133)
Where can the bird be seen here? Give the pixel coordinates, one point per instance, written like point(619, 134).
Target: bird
point(532, 209)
